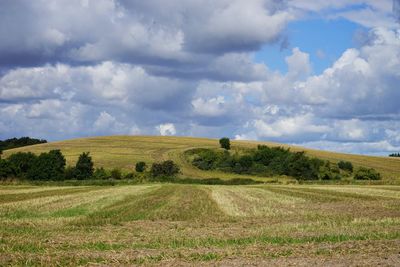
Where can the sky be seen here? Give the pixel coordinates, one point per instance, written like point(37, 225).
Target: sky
point(320, 74)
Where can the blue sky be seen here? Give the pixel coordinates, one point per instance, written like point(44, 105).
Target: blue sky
point(324, 40)
point(322, 74)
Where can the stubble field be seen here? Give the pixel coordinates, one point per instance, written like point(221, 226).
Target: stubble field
point(166, 224)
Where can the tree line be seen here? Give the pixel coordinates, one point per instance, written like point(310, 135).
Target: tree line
point(51, 166)
point(395, 155)
point(272, 161)
point(263, 161)
point(19, 142)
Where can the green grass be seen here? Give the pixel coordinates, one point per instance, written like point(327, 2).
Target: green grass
point(173, 224)
point(124, 151)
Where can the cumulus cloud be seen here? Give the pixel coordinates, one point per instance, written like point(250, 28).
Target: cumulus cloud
point(72, 68)
point(166, 129)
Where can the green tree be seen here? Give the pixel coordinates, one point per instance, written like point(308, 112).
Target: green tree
point(225, 143)
point(345, 165)
point(5, 169)
point(48, 166)
point(84, 167)
point(21, 163)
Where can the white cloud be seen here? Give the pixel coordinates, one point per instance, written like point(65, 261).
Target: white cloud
point(211, 108)
point(166, 129)
point(299, 64)
point(289, 126)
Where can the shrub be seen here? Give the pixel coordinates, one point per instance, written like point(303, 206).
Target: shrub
point(100, 174)
point(116, 174)
point(367, 174)
point(48, 166)
point(346, 166)
point(205, 160)
point(225, 143)
point(84, 167)
point(140, 166)
point(164, 169)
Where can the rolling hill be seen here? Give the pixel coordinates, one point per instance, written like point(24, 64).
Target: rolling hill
point(124, 151)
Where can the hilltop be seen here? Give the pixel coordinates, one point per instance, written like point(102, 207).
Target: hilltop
point(124, 151)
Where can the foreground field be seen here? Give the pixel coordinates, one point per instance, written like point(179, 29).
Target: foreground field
point(124, 151)
point(166, 224)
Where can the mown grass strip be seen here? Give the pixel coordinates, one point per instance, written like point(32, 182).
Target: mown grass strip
point(8, 198)
point(257, 240)
point(201, 243)
point(313, 196)
point(170, 202)
point(338, 195)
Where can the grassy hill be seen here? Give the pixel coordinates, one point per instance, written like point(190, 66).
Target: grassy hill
point(124, 151)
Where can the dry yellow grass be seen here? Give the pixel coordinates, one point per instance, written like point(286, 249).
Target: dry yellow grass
point(124, 151)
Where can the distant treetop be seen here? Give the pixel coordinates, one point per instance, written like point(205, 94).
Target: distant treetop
point(19, 142)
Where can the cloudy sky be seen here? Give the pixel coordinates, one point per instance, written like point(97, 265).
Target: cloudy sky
point(322, 74)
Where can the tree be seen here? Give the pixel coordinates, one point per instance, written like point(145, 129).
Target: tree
point(19, 142)
point(21, 162)
point(5, 169)
point(48, 166)
point(164, 169)
point(84, 167)
point(346, 166)
point(140, 166)
point(225, 143)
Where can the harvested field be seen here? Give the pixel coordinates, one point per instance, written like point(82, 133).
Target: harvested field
point(166, 224)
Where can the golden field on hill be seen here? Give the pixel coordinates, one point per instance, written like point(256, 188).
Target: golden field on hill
point(124, 151)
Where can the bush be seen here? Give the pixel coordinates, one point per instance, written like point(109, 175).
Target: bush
point(116, 174)
point(84, 167)
point(48, 166)
point(346, 166)
point(100, 174)
point(140, 166)
point(164, 169)
point(225, 143)
point(205, 160)
point(367, 174)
